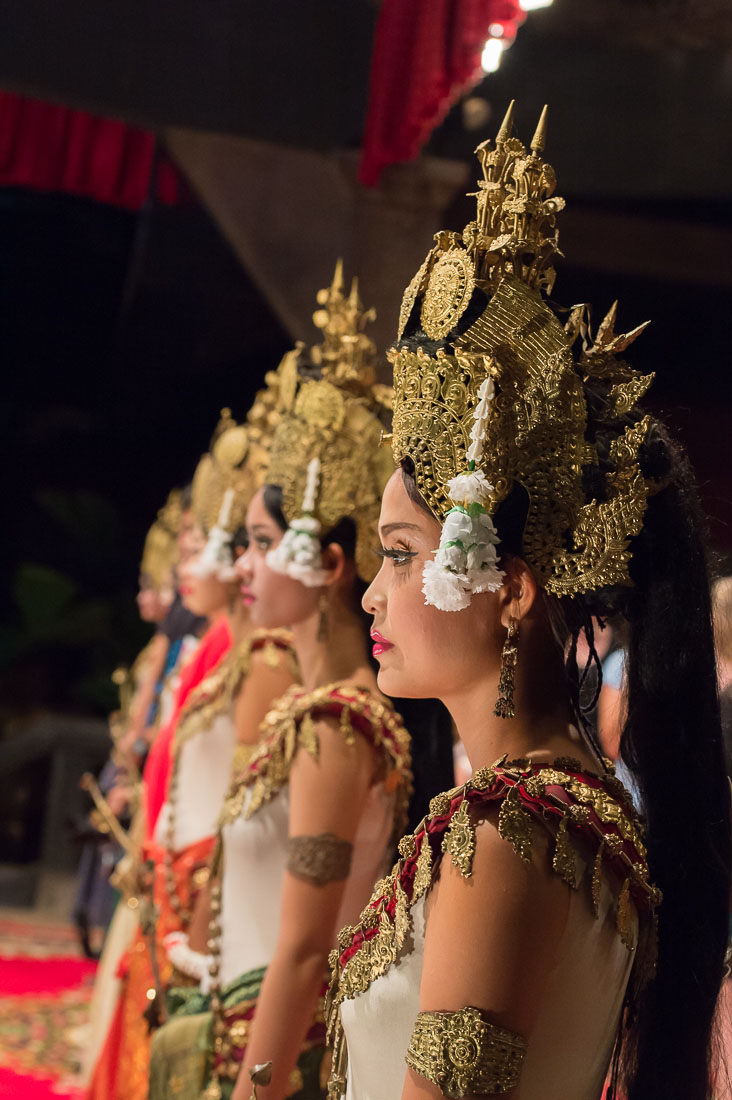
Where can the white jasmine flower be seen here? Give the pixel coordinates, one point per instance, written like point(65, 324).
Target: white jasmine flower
point(486, 528)
point(444, 590)
point(278, 559)
point(308, 574)
point(457, 525)
point(473, 488)
point(298, 556)
point(488, 579)
point(452, 558)
point(305, 523)
point(217, 559)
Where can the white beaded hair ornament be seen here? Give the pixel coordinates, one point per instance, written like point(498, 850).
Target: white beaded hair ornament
point(298, 555)
point(326, 457)
point(465, 561)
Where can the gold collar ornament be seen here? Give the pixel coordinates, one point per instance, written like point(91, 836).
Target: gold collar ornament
point(228, 476)
point(488, 395)
point(325, 456)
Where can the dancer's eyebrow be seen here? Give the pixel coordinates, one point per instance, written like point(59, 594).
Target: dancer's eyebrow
point(389, 528)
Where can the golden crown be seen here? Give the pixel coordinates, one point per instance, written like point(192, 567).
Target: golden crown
point(237, 459)
point(331, 409)
point(478, 300)
point(160, 553)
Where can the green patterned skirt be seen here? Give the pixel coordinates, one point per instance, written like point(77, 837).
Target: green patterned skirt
point(183, 1055)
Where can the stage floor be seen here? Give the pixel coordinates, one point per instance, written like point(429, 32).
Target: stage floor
point(45, 989)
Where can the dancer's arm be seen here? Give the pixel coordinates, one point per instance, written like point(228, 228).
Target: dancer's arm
point(490, 944)
point(327, 799)
point(264, 685)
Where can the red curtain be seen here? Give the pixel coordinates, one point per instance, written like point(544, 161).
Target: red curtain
point(48, 147)
point(426, 54)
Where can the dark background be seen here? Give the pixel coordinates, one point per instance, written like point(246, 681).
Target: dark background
point(122, 335)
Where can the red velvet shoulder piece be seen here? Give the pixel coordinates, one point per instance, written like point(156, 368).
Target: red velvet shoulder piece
point(273, 644)
point(587, 816)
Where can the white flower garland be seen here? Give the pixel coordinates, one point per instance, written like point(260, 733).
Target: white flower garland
point(217, 558)
point(298, 555)
point(466, 560)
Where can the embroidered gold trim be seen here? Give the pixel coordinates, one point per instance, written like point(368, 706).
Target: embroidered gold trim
point(461, 1052)
point(386, 922)
point(215, 693)
point(319, 859)
point(290, 725)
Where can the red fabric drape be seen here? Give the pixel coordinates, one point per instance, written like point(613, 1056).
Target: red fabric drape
point(48, 147)
point(213, 647)
point(425, 55)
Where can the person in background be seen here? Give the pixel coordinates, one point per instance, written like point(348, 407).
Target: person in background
point(189, 765)
point(310, 824)
point(146, 693)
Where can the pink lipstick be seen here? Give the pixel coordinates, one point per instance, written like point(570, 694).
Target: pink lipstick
point(381, 644)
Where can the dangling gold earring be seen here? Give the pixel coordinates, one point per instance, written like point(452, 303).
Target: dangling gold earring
point(323, 623)
point(504, 703)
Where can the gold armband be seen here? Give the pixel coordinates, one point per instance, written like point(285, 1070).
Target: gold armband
point(460, 1052)
point(319, 859)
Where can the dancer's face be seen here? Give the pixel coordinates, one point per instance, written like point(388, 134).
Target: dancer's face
point(154, 603)
point(204, 596)
point(425, 653)
point(273, 599)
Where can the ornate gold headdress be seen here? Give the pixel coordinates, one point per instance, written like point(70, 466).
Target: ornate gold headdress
point(160, 553)
point(478, 299)
point(325, 454)
point(229, 474)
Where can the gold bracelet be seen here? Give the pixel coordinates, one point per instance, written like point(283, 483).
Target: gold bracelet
point(319, 859)
point(460, 1052)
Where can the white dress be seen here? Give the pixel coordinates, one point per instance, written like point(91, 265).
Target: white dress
point(256, 829)
point(204, 775)
point(571, 1043)
point(255, 855)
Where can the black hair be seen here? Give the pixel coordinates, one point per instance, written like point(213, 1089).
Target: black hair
point(672, 742)
point(427, 720)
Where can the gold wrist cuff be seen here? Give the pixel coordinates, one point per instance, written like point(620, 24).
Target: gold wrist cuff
point(461, 1053)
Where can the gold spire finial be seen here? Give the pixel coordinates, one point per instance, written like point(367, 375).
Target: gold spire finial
point(337, 284)
point(507, 125)
point(539, 139)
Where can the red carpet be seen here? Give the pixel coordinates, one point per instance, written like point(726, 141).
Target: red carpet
point(43, 1002)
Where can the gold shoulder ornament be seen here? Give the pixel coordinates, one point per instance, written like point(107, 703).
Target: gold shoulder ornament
point(291, 725)
point(501, 402)
point(596, 837)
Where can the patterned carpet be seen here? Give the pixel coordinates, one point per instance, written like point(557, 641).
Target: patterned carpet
point(46, 989)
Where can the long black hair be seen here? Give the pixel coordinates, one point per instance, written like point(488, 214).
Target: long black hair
point(672, 743)
point(427, 720)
